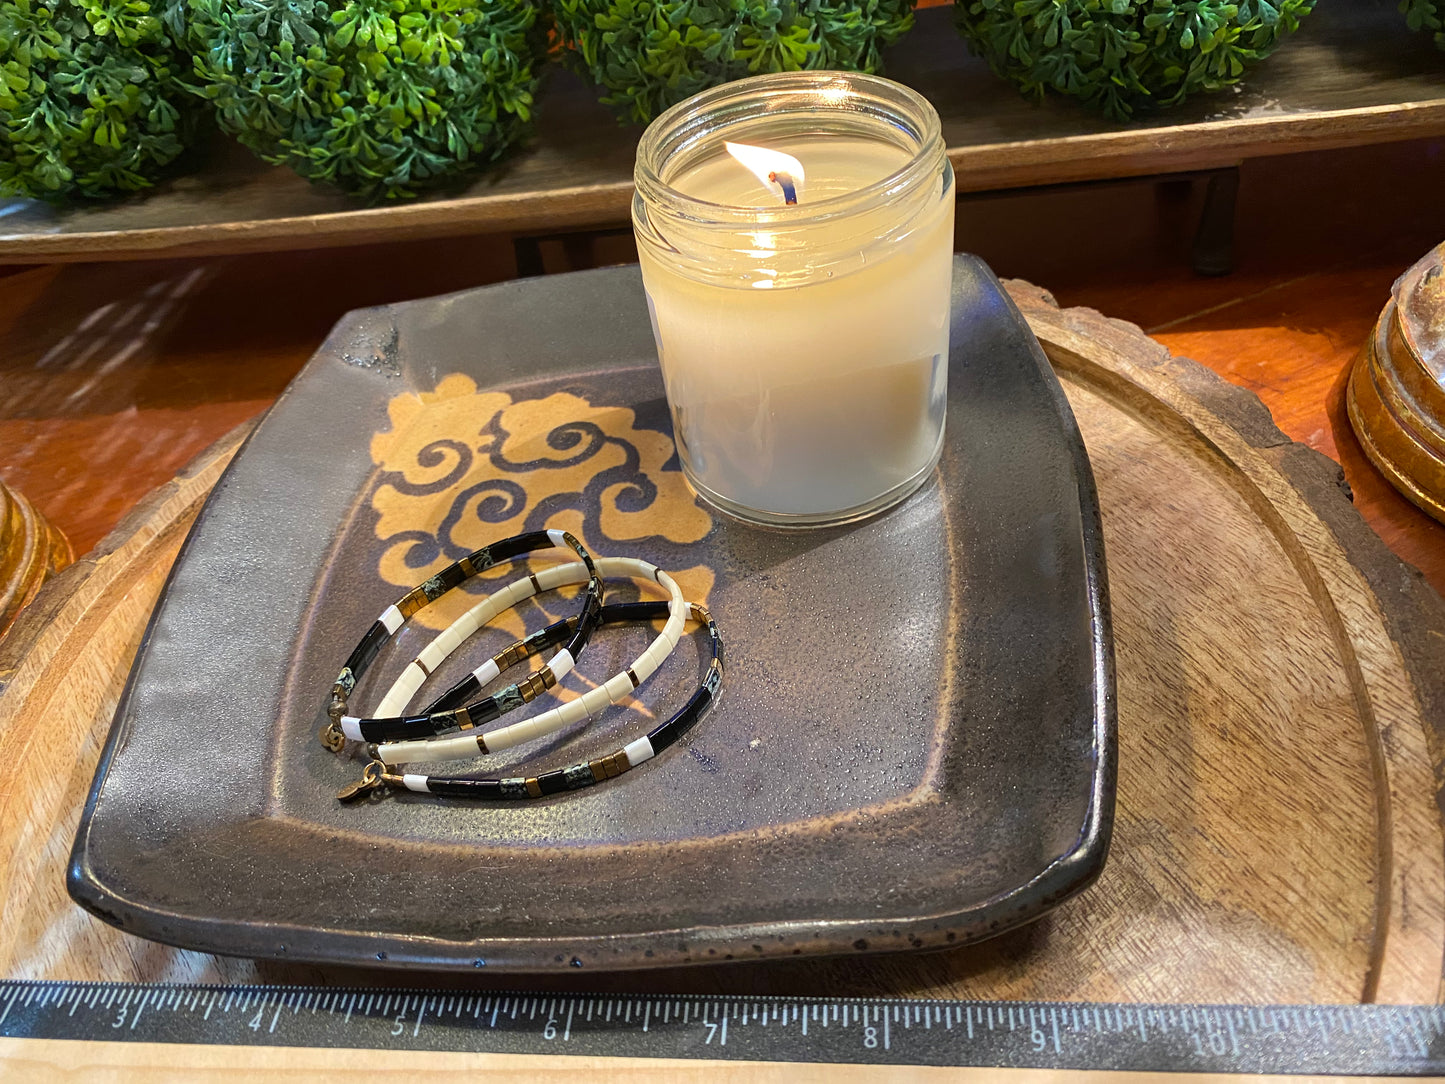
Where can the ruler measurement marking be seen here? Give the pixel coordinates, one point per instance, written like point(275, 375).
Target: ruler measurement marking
point(1419, 1022)
point(1417, 1034)
point(139, 1008)
point(1425, 1021)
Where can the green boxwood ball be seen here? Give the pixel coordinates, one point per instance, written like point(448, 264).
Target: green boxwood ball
point(383, 98)
point(1124, 55)
point(1426, 15)
point(89, 105)
point(651, 54)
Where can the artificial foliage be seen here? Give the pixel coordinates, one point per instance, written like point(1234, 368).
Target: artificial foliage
point(1124, 55)
point(382, 98)
point(1426, 15)
point(88, 101)
point(651, 54)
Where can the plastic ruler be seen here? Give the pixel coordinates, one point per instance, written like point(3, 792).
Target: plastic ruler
point(1343, 1039)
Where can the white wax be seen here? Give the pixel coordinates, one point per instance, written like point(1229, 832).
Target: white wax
point(816, 397)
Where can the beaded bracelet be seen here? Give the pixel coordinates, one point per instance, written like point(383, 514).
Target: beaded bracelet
point(585, 774)
point(473, 564)
point(574, 711)
point(450, 711)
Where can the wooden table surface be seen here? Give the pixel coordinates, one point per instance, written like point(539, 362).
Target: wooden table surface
point(114, 376)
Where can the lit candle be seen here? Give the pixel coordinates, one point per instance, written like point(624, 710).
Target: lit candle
point(799, 282)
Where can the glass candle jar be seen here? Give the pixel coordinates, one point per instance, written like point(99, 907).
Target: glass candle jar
point(804, 345)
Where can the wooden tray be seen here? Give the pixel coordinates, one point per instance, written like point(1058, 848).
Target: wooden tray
point(1354, 74)
point(1280, 698)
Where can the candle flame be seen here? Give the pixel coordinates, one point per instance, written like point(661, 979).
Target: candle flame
point(780, 173)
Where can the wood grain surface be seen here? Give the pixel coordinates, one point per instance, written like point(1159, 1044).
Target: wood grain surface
point(1277, 837)
point(1395, 400)
point(1353, 75)
point(31, 550)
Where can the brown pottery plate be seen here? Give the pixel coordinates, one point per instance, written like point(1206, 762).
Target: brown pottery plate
point(915, 740)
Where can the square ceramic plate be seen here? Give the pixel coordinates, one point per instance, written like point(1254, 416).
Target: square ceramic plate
point(914, 744)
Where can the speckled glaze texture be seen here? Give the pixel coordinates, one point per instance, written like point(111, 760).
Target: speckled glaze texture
point(914, 745)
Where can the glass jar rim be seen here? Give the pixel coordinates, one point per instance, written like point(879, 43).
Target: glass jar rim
point(928, 130)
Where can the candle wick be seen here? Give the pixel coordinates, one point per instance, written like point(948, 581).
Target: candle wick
point(785, 182)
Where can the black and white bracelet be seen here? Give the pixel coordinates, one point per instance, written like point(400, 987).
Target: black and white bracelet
point(333, 735)
point(589, 704)
point(379, 774)
point(451, 710)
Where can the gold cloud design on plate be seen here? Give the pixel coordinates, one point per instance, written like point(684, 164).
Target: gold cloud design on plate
point(461, 468)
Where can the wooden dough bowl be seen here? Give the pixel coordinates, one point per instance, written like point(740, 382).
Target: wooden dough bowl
point(1281, 696)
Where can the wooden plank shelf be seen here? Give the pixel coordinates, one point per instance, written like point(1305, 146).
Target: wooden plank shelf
point(1354, 75)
